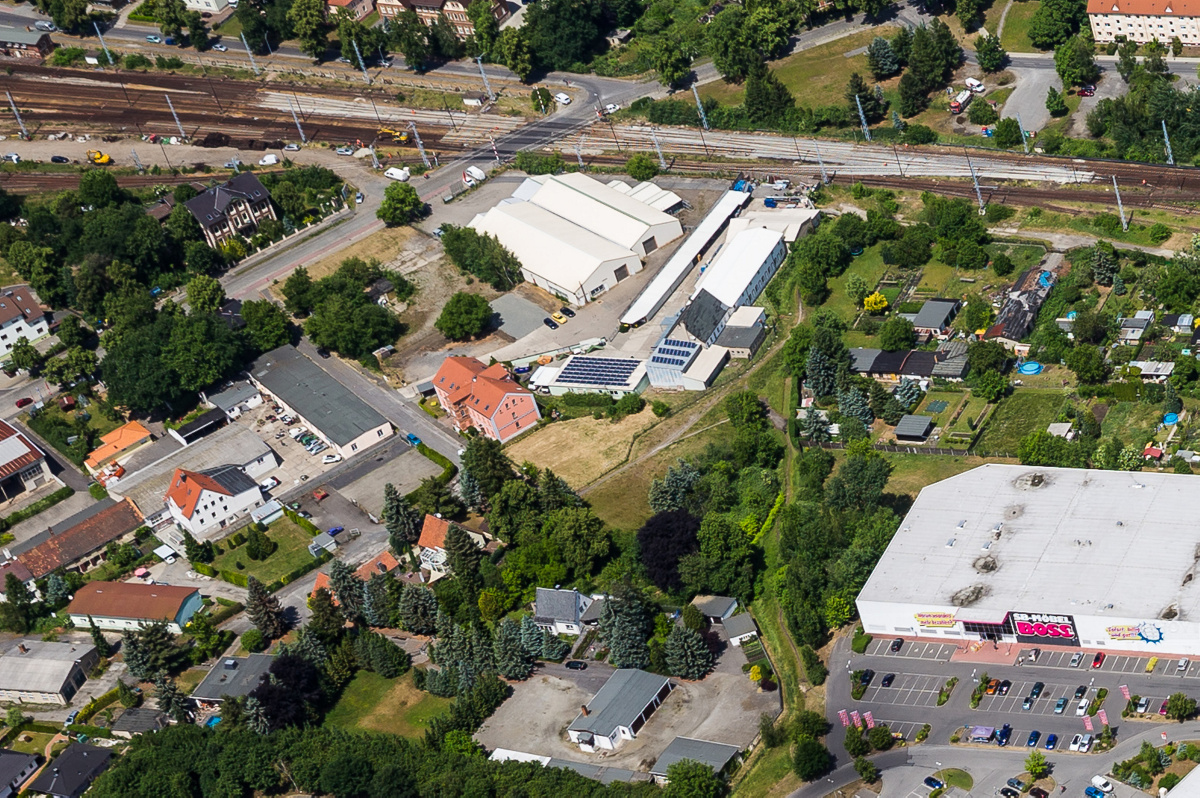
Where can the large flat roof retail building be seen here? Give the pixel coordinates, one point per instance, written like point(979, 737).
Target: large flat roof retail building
point(1105, 560)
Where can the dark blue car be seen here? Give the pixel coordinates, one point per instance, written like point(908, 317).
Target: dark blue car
point(933, 783)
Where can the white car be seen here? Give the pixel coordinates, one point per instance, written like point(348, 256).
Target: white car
point(12, 156)
point(611, 108)
point(291, 148)
point(1102, 784)
point(1076, 741)
point(268, 160)
point(358, 198)
point(297, 432)
point(345, 150)
point(1082, 708)
point(562, 98)
point(270, 482)
point(220, 48)
point(331, 458)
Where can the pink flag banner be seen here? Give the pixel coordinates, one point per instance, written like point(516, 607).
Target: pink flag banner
point(869, 719)
point(1103, 717)
point(855, 717)
point(844, 717)
point(1125, 691)
point(1087, 723)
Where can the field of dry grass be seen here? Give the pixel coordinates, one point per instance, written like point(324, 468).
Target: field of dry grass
point(583, 449)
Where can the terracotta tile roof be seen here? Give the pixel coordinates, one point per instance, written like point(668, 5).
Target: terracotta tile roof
point(187, 486)
point(20, 304)
point(322, 582)
point(132, 600)
point(91, 534)
point(381, 563)
point(1178, 8)
point(16, 451)
point(433, 533)
point(117, 441)
point(482, 388)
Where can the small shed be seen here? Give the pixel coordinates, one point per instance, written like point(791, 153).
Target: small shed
point(716, 608)
point(322, 542)
point(66, 402)
point(716, 755)
point(914, 428)
point(474, 99)
point(740, 628)
point(1060, 429)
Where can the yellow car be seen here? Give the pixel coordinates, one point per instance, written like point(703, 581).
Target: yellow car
point(559, 318)
point(1150, 665)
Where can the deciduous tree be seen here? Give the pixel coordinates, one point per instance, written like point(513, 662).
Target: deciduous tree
point(464, 316)
point(401, 203)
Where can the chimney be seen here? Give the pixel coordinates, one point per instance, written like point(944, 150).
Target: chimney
point(583, 710)
point(22, 648)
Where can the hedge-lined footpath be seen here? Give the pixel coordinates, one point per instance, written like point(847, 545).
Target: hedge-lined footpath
point(41, 505)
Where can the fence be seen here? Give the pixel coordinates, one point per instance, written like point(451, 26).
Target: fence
point(898, 449)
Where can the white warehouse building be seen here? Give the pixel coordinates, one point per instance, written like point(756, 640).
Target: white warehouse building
point(1100, 560)
point(575, 236)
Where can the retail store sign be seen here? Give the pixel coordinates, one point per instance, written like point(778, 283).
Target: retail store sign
point(1145, 632)
point(935, 620)
point(1036, 627)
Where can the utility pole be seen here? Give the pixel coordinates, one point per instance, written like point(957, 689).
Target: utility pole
point(237, 163)
point(213, 89)
point(449, 114)
point(267, 42)
point(137, 161)
point(491, 94)
point(361, 63)
point(374, 160)
point(821, 163)
point(975, 180)
point(420, 146)
point(111, 61)
point(662, 162)
point(495, 151)
point(253, 63)
point(17, 114)
point(182, 135)
point(296, 119)
point(614, 132)
point(1167, 139)
point(896, 152)
point(862, 118)
point(700, 107)
point(579, 149)
point(1024, 135)
point(1120, 207)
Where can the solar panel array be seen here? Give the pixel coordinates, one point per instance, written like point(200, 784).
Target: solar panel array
point(598, 371)
point(673, 352)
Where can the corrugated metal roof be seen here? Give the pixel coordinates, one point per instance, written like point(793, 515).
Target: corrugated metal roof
point(715, 755)
point(619, 702)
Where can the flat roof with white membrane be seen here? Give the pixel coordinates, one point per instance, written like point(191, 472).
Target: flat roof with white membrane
point(733, 270)
point(1052, 540)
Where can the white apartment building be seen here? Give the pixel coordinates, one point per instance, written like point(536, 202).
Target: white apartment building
point(1142, 21)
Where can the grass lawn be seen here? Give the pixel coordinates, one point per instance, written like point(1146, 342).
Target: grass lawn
point(870, 267)
point(56, 426)
point(815, 77)
point(190, 679)
point(36, 745)
point(581, 450)
point(770, 381)
point(1022, 255)
point(941, 418)
point(290, 555)
point(974, 407)
point(911, 472)
point(953, 776)
point(1016, 27)
point(1133, 422)
point(373, 703)
point(1018, 415)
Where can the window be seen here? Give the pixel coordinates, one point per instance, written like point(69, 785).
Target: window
point(379, 433)
point(354, 447)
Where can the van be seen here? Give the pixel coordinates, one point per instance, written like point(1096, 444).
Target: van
point(472, 176)
point(43, 25)
point(398, 174)
point(268, 160)
point(974, 85)
point(960, 103)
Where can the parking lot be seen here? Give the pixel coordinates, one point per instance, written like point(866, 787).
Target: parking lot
point(908, 690)
point(296, 464)
point(1044, 704)
point(1115, 663)
point(907, 728)
point(938, 652)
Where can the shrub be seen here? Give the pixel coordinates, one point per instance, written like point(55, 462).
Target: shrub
point(1159, 233)
point(253, 641)
point(860, 642)
point(813, 667)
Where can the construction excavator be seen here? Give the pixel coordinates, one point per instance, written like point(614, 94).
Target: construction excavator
point(397, 136)
point(98, 158)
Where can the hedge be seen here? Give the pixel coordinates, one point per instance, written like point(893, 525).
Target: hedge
point(204, 568)
point(226, 612)
point(234, 578)
point(90, 731)
point(296, 573)
point(448, 468)
point(303, 523)
point(38, 506)
point(95, 705)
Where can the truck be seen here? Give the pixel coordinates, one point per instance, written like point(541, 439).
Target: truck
point(975, 85)
point(961, 101)
point(472, 176)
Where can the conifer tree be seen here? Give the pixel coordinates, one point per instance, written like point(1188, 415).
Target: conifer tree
point(418, 610)
point(169, 699)
point(265, 611)
point(512, 659)
point(102, 646)
point(687, 655)
point(348, 589)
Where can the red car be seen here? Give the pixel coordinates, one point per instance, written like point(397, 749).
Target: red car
point(1087, 91)
point(24, 401)
point(1098, 660)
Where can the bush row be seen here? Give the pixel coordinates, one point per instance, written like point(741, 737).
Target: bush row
point(96, 704)
point(296, 573)
point(42, 504)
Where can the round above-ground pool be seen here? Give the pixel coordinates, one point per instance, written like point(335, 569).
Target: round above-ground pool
point(1171, 418)
point(1030, 367)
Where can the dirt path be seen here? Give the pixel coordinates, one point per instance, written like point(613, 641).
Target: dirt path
point(1003, 16)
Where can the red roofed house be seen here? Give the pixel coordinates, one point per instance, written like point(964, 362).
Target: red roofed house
point(78, 542)
point(207, 501)
point(486, 398)
point(358, 9)
point(20, 317)
point(1142, 21)
point(23, 465)
point(381, 563)
point(432, 544)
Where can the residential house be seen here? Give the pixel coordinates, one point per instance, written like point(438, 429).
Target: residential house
point(20, 317)
point(619, 710)
point(740, 628)
point(952, 364)
point(231, 209)
point(560, 611)
point(23, 466)
point(139, 720)
point(40, 672)
point(15, 770)
point(381, 563)
point(123, 440)
point(203, 502)
point(1143, 21)
point(716, 608)
point(1181, 323)
point(716, 755)
point(934, 318)
point(1019, 311)
point(121, 606)
point(233, 677)
point(486, 398)
point(1131, 329)
point(357, 9)
point(1153, 370)
point(432, 544)
point(77, 543)
point(71, 773)
point(25, 43)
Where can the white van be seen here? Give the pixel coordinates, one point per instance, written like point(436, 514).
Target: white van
point(398, 174)
point(974, 85)
point(473, 176)
point(268, 160)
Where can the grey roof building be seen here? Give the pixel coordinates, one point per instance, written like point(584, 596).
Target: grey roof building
point(560, 611)
point(235, 399)
point(716, 608)
point(935, 316)
point(863, 359)
point(73, 771)
point(739, 626)
point(619, 710)
point(704, 316)
point(327, 407)
point(715, 755)
point(200, 426)
point(600, 773)
point(232, 208)
point(233, 677)
point(15, 769)
point(139, 720)
point(38, 672)
point(592, 614)
point(914, 428)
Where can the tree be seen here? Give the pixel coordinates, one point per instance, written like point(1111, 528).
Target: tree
point(348, 589)
point(326, 622)
point(418, 609)
point(671, 492)
point(24, 356)
point(171, 16)
point(990, 56)
point(1171, 401)
point(69, 15)
point(990, 386)
point(859, 482)
point(810, 759)
point(687, 655)
point(1088, 364)
point(671, 60)
point(1127, 60)
point(1008, 133)
point(766, 100)
point(881, 59)
point(853, 402)
point(200, 350)
point(464, 316)
point(102, 646)
point(866, 770)
point(487, 29)
point(264, 610)
point(729, 41)
point(462, 555)
point(1036, 765)
point(169, 698)
point(1075, 62)
point(99, 189)
point(267, 326)
point(197, 30)
point(664, 540)
point(641, 166)
point(691, 779)
point(308, 23)
point(434, 498)
point(513, 660)
point(148, 650)
point(913, 97)
point(401, 203)
point(401, 521)
point(1180, 707)
point(896, 334)
point(512, 50)
point(16, 611)
point(624, 625)
point(1055, 22)
point(857, 289)
point(1055, 103)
